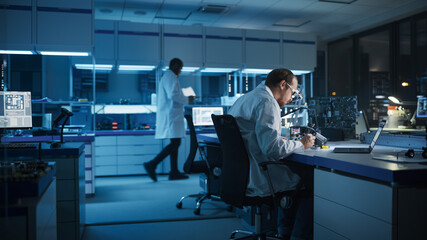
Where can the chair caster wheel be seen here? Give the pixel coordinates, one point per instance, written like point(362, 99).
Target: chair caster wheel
point(179, 205)
point(197, 211)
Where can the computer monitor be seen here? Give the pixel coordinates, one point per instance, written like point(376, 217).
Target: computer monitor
point(202, 115)
point(422, 107)
point(15, 110)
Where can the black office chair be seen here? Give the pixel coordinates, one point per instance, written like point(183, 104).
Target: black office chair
point(209, 170)
point(235, 175)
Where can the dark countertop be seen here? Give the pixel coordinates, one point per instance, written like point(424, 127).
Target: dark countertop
point(68, 148)
point(358, 164)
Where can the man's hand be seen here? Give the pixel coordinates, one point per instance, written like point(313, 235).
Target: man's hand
point(191, 98)
point(308, 141)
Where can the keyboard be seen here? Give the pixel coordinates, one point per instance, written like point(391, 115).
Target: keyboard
point(18, 145)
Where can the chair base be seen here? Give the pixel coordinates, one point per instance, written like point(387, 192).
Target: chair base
point(199, 200)
point(252, 235)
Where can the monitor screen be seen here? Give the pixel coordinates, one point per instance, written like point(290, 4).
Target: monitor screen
point(202, 115)
point(422, 107)
point(15, 110)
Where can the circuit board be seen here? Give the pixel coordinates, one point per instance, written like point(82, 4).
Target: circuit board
point(335, 112)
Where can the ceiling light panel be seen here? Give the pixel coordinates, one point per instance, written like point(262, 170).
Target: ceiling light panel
point(175, 11)
point(339, 1)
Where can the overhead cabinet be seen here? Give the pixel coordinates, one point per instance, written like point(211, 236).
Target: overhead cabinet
point(263, 49)
point(47, 25)
point(139, 43)
point(299, 51)
point(64, 25)
point(15, 27)
point(184, 42)
point(224, 47)
point(104, 37)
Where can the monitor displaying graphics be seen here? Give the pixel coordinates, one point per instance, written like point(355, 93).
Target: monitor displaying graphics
point(422, 107)
point(15, 110)
point(202, 115)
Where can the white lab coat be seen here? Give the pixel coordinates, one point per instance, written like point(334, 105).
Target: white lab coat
point(170, 108)
point(258, 116)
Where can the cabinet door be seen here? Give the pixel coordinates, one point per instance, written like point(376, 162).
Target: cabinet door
point(64, 29)
point(79, 4)
point(224, 47)
point(15, 28)
point(138, 43)
point(184, 42)
point(262, 49)
point(104, 41)
point(299, 51)
point(345, 205)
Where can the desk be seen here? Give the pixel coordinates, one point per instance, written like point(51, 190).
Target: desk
point(70, 183)
point(357, 197)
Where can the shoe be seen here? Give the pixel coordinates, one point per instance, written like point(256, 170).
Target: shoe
point(151, 170)
point(177, 176)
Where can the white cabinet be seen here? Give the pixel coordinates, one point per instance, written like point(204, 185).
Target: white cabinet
point(184, 42)
point(138, 43)
point(133, 151)
point(224, 47)
point(299, 51)
point(76, 4)
point(105, 155)
point(64, 30)
point(344, 205)
point(125, 154)
point(104, 41)
point(15, 27)
point(64, 25)
point(263, 49)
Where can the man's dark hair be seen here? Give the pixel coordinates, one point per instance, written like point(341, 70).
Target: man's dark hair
point(277, 75)
point(175, 65)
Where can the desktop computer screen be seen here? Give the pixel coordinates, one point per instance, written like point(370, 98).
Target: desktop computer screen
point(422, 107)
point(15, 110)
point(202, 115)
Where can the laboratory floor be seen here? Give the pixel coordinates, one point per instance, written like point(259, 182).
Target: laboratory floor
point(134, 207)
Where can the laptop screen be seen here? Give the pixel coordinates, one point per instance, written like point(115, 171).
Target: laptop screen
point(377, 134)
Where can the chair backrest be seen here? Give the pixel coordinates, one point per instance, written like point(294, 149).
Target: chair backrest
point(193, 144)
point(235, 165)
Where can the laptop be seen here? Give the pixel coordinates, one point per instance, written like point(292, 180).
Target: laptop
point(362, 149)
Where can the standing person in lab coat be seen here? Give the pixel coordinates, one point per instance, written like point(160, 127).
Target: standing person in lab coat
point(170, 120)
point(257, 114)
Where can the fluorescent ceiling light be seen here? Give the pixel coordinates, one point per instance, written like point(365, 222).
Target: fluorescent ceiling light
point(299, 72)
point(50, 53)
point(97, 66)
point(136, 67)
point(189, 69)
point(379, 96)
point(394, 100)
point(339, 1)
point(184, 69)
point(16, 52)
point(256, 71)
point(218, 70)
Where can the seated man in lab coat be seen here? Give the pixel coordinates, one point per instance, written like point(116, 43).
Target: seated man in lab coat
point(258, 116)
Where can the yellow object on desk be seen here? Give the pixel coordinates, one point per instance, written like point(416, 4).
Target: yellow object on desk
point(325, 147)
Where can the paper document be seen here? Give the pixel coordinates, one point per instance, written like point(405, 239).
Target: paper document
point(188, 91)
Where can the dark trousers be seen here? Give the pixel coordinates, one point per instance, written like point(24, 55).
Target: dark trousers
point(170, 150)
point(297, 221)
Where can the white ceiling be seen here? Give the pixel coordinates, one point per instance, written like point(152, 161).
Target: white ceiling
point(327, 20)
